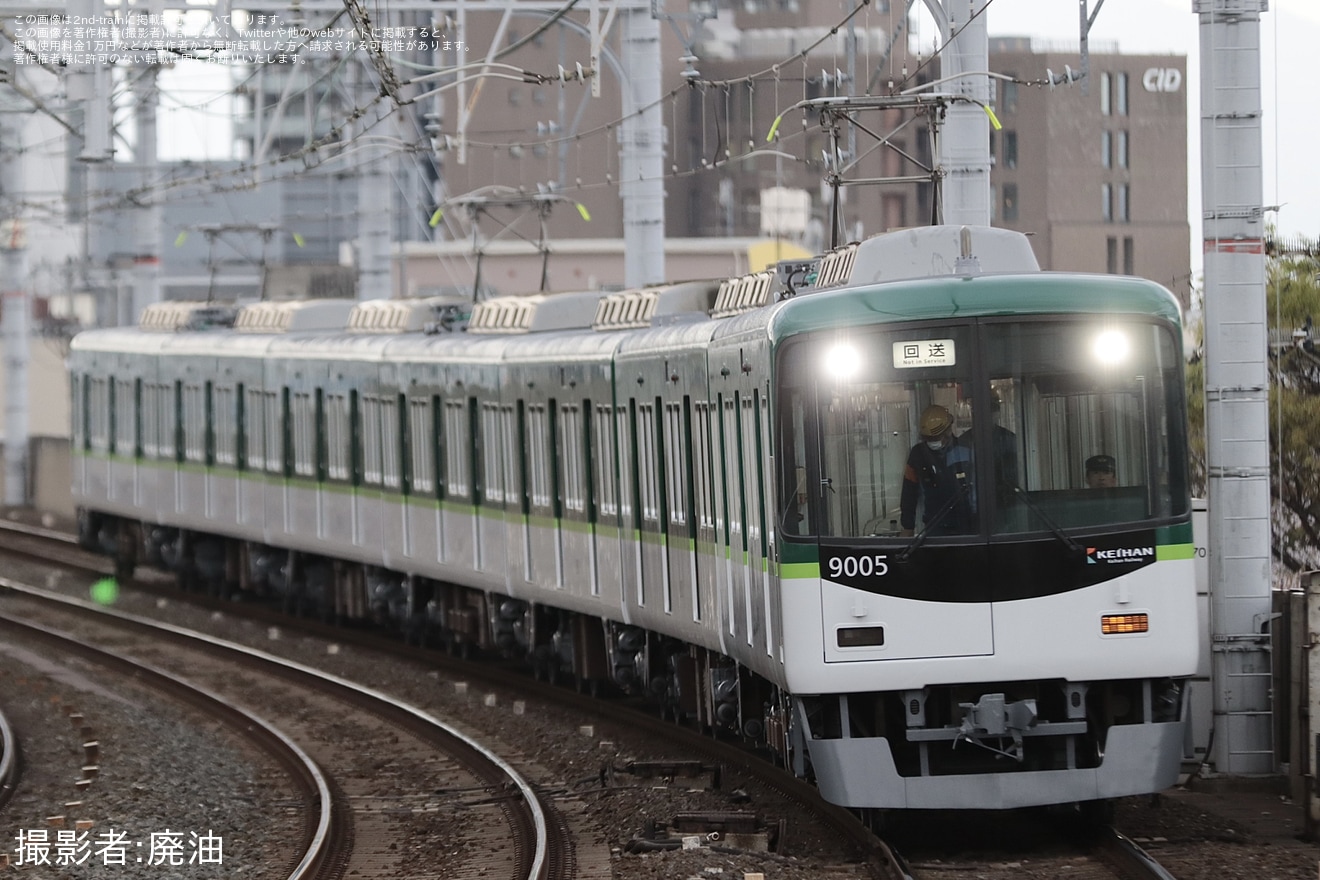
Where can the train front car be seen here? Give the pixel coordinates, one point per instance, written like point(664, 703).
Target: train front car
point(985, 541)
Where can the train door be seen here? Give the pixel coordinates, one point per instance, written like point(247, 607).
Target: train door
point(735, 563)
point(704, 467)
point(651, 501)
point(540, 529)
point(681, 532)
point(769, 624)
point(629, 515)
point(576, 532)
point(493, 489)
point(605, 497)
point(423, 438)
point(459, 530)
point(124, 472)
point(749, 419)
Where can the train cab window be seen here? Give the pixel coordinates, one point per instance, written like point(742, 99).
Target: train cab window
point(863, 396)
point(1082, 389)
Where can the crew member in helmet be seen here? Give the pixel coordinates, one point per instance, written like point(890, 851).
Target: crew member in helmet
point(939, 476)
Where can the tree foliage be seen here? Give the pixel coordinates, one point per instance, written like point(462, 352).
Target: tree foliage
point(1293, 297)
point(1292, 301)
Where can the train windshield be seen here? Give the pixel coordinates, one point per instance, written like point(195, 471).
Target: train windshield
point(982, 428)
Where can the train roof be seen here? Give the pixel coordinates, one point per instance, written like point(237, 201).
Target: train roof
point(975, 296)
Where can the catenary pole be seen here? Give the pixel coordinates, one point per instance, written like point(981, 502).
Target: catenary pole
point(641, 151)
point(1236, 384)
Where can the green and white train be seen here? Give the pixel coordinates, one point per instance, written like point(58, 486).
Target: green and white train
point(693, 491)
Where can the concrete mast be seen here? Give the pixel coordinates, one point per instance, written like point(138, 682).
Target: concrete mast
point(641, 151)
point(965, 140)
point(148, 217)
point(1236, 384)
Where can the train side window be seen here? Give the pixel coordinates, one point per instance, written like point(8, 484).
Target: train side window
point(733, 475)
point(224, 399)
point(457, 474)
point(538, 456)
point(606, 476)
point(627, 446)
point(390, 449)
point(370, 434)
point(150, 419)
point(255, 436)
point(99, 411)
point(274, 429)
point(676, 464)
point(77, 400)
point(338, 437)
point(304, 434)
point(125, 417)
point(420, 446)
point(648, 463)
point(491, 450)
point(701, 466)
point(171, 426)
point(572, 473)
point(194, 423)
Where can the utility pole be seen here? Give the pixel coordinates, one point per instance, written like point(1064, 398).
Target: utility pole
point(375, 197)
point(1236, 385)
point(17, 308)
point(641, 151)
point(147, 218)
point(965, 141)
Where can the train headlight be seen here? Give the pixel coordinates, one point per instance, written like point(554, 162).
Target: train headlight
point(843, 361)
point(1123, 624)
point(1111, 347)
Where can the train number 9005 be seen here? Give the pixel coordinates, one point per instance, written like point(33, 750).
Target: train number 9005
point(868, 565)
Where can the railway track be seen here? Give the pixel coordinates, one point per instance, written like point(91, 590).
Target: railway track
point(53, 548)
point(1024, 845)
point(318, 849)
point(380, 754)
point(1109, 856)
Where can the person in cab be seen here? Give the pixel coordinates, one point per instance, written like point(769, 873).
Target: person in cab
point(938, 479)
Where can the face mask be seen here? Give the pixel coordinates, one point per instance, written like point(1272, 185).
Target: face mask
point(936, 445)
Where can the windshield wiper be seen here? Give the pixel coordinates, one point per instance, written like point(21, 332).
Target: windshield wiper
point(963, 490)
point(1059, 533)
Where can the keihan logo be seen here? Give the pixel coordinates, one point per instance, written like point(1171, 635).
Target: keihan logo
point(1119, 555)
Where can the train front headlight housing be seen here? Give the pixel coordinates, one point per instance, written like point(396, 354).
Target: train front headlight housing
point(842, 361)
point(1124, 624)
point(1111, 347)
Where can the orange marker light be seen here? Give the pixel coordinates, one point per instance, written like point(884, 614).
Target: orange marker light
point(1119, 624)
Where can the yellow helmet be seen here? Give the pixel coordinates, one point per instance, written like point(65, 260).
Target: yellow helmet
point(935, 422)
